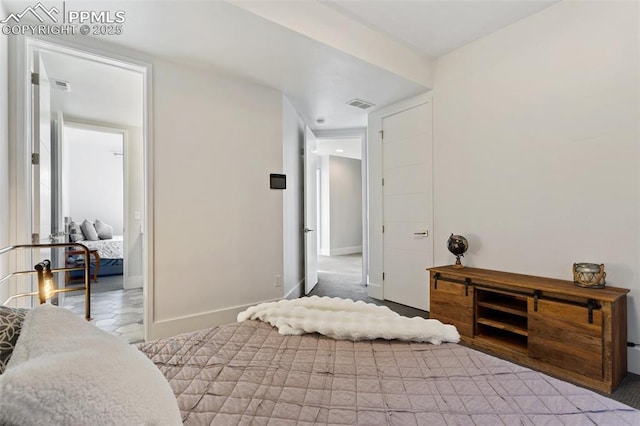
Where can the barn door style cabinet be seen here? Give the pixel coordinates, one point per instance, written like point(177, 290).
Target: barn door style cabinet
point(573, 333)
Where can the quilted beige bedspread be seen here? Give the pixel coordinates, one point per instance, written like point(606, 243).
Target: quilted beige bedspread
point(248, 374)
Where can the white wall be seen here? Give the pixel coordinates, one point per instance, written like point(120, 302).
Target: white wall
point(536, 147)
point(4, 156)
point(293, 201)
point(218, 228)
point(93, 177)
point(134, 207)
point(324, 221)
point(345, 205)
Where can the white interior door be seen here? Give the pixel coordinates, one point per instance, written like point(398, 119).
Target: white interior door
point(57, 218)
point(407, 205)
point(310, 211)
point(41, 158)
point(47, 221)
point(57, 231)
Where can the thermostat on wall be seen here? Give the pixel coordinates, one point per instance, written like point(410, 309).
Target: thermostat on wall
point(278, 181)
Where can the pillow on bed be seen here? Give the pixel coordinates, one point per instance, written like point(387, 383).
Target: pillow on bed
point(10, 325)
point(89, 230)
point(75, 233)
point(105, 232)
point(65, 371)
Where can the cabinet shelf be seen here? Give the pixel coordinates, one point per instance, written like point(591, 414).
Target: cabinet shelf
point(506, 324)
point(503, 307)
point(509, 341)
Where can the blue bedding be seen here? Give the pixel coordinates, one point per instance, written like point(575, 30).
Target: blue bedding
point(107, 267)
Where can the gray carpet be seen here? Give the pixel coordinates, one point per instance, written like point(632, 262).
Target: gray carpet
point(629, 391)
point(341, 276)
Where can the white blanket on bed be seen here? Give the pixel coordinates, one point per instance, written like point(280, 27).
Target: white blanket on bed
point(349, 320)
point(107, 249)
point(64, 371)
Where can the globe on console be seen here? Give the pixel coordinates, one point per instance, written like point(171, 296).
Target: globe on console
point(458, 245)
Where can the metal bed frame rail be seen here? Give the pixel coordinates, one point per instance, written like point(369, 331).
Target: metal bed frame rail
point(85, 268)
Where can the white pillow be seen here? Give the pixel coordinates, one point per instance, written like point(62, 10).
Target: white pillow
point(89, 230)
point(65, 371)
point(105, 232)
point(75, 233)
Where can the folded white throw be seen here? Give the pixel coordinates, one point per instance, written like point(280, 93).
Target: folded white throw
point(345, 319)
point(64, 371)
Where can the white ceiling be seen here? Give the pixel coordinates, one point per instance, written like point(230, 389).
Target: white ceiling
point(99, 92)
point(317, 78)
point(437, 27)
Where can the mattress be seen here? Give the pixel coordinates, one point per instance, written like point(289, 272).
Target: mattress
point(246, 373)
point(107, 249)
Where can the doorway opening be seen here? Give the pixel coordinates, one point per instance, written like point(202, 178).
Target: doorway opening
point(89, 184)
point(341, 215)
point(95, 189)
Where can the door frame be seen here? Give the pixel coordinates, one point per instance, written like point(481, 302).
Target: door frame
point(310, 211)
point(362, 134)
point(20, 50)
point(375, 284)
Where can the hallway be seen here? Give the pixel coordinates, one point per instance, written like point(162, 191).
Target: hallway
point(341, 276)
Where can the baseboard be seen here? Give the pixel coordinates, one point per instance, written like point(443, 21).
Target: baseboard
point(340, 251)
point(174, 326)
point(296, 292)
point(633, 360)
point(133, 282)
point(324, 252)
point(375, 291)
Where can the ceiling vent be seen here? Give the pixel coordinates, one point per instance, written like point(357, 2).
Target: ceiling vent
point(65, 86)
point(359, 103)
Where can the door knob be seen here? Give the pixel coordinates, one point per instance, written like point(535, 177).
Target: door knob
point(308, 230)
point(425, 233)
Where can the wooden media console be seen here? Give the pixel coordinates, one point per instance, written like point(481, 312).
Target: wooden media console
point(573, 333)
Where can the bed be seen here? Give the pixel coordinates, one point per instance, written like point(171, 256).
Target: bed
point(248, 373)
point(111, 253)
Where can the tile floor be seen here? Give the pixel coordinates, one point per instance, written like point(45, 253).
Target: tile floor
point(116, 311)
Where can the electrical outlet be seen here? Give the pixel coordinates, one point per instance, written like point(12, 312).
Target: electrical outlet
point(277, 280)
